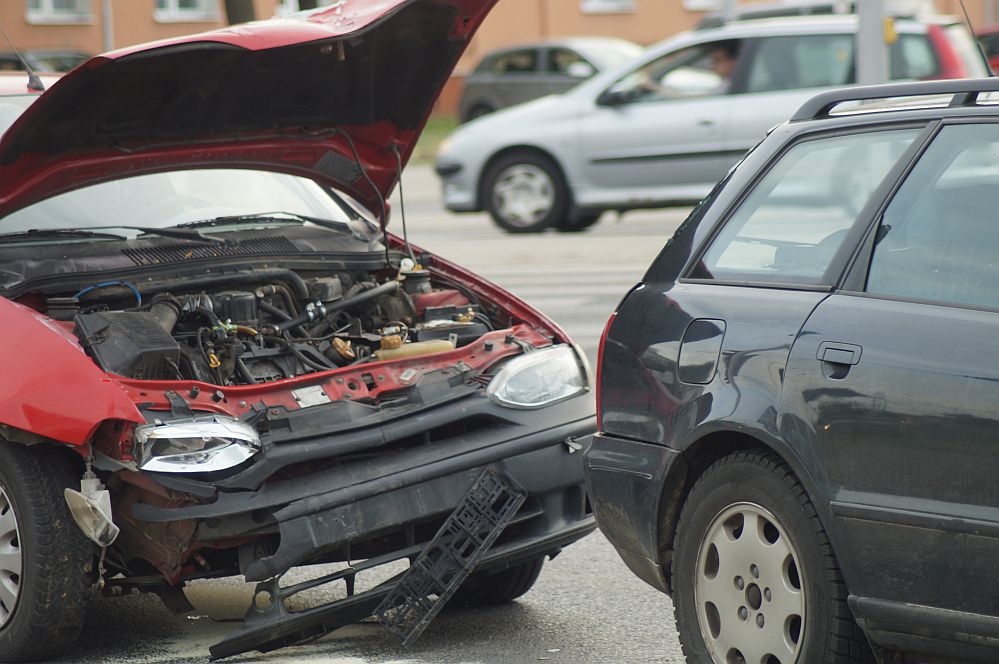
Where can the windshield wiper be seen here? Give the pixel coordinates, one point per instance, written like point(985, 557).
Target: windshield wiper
point(46, 233)
point(234, 219)
point(89, 232)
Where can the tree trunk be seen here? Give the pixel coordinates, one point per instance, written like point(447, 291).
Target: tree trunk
point(239, 11)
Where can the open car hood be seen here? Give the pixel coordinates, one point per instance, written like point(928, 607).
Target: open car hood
point(344, 88)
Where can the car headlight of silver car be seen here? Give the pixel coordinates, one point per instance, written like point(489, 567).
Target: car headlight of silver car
point(201, 445)
point(539, 378)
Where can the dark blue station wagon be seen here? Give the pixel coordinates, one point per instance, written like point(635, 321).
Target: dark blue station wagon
point(799, 403)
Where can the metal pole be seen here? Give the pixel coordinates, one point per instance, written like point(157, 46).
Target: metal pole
point(107, 24)
point(872, 49)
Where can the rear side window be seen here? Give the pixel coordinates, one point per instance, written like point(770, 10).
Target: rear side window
point(967, 50)
point(515, 62)
point(812, 61)
point(939, 238)
point(912, 56)
point(790, 227)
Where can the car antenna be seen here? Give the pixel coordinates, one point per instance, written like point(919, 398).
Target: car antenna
point(34, 83)
point(402, 202)
point(971, 29)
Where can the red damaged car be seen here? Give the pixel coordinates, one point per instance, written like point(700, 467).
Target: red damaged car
point(217, 362)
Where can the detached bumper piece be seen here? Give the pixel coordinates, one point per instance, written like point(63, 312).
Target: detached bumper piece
point(403, 604)
point(451, 556)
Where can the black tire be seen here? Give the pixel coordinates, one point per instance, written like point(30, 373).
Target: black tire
point(55, 588)
point(582, 221)
point(499, 587)
point(477, 112)
point(751, 483)
point(539, 172)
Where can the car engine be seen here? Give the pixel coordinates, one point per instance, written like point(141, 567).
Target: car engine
point(250, 333)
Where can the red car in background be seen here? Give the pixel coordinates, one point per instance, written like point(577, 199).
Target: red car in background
point(217, 362)
point(989, 40)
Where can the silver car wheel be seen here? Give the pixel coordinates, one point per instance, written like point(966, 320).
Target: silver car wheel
point(523, 194)
point(11, 564)
point(749, 590)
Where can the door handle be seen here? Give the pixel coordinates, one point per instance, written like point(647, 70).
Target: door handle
point(837, 358)
point(705, 123)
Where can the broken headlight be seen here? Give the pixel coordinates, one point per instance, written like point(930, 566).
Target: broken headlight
point(195, 446)
point(539, 378)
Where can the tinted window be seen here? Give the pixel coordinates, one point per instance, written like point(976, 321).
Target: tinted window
point(516, 62)
point(939, 239)
point(812, 61)
point(568, 62)
point(912, 56)
point(789, 228)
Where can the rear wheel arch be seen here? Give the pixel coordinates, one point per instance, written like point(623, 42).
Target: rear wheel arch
point(700, 455)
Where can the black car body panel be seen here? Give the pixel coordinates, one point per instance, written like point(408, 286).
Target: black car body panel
point(882, 406)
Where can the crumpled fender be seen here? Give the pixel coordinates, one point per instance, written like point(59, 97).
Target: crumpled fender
point(48, 385)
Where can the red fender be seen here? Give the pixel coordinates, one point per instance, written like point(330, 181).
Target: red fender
point(48, 385)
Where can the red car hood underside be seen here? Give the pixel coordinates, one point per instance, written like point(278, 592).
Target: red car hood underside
point(297, 96)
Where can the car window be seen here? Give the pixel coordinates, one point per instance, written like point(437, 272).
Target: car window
point(516, 62)
point(567, 62)
point(939, 236)
point(789, 228)
point(696, 71)
point(912, 56)
point(812, 61)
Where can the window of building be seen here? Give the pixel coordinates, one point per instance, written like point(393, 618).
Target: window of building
point(182, 11)
point(792, 224)
point(59, 11)
point(607, 6)
point(289, 7)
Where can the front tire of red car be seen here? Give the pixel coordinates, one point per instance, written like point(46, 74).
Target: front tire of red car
point(45, 560)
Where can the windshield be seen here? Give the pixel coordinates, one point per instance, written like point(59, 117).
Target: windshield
point(167, 199)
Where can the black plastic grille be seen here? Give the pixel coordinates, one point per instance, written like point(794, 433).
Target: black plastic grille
point(173, 253)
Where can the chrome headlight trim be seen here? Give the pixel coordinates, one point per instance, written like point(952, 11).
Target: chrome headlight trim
point(201, 445)
point(540, 378)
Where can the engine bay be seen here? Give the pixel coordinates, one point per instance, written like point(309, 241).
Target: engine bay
point(241, 332)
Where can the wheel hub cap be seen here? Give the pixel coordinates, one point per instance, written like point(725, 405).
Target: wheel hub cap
point(524, 194)
point(10, 558)
point(749, 590)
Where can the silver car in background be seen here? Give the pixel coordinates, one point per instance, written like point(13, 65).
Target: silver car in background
point(663, 129)
point(514, 75)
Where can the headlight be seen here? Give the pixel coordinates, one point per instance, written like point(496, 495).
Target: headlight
point(195, 446)
point(539, 378)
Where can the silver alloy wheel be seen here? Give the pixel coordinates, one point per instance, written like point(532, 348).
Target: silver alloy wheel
point(748, 590)
point(523, 194)
point(10, 558)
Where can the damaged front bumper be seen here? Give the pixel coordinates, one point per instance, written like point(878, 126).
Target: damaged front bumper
point(376, 488)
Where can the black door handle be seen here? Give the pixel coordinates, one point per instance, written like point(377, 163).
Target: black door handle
point(837, 358)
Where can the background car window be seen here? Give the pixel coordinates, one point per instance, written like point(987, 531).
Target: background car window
point(567, 62)
point(912, 56)
point(690, 72)
point(967, 50)
point(788, 63)
point(789, 228)
point(939, 238)
point(516, 62)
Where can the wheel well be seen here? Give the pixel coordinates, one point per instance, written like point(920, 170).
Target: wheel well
point(699, 457)
point(480, 203)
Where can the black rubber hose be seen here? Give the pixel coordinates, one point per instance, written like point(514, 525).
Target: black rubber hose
point(346, 303)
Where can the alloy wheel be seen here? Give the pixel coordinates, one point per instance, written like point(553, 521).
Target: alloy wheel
point(11, 563)
point(524, 194)
point(748, 589)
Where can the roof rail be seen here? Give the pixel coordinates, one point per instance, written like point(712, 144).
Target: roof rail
point(965, 93)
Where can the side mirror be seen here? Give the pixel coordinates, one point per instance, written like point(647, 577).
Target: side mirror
point(580, 70)
point(613, 98)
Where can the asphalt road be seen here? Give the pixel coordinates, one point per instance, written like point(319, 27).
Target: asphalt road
point(586, 608)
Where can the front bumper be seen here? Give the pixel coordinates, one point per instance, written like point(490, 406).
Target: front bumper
point(365, 492)
point(459, 186)
point(628, 486)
